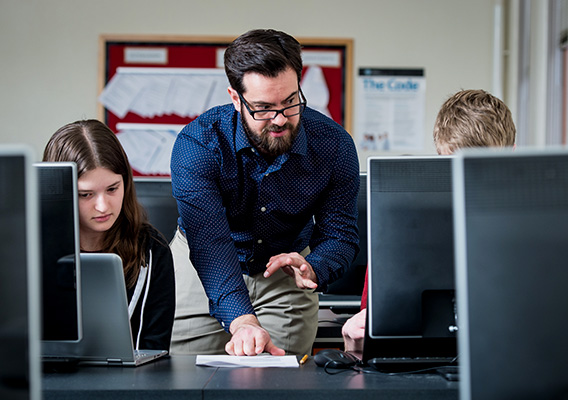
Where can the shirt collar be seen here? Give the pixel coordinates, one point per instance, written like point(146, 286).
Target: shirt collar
point(300, 145)
point(241, 140)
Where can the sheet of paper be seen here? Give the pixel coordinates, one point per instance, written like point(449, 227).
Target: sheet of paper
point(148, 146)
point(260, 361)
point(151, 92)
point(120, 93)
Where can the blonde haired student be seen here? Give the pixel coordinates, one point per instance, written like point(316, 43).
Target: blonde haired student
point(469, 118)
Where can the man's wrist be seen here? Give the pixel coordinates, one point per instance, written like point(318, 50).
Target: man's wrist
point(245, 319)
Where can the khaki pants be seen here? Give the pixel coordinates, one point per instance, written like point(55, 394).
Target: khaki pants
point(289, 314)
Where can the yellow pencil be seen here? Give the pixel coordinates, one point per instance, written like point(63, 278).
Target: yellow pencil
point(304, 359)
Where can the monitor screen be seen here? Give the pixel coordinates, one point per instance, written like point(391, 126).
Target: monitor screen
point(19, 276)
point(59, 238)
point(511, 224)
point(155, 194)
point(411, 306)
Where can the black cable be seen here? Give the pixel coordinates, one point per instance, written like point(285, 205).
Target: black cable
point(359, 369)
point(338, 371)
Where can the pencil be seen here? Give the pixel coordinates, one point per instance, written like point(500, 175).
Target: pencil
point(304, 359)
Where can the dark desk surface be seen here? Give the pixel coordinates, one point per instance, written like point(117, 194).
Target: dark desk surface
point(177, 377)
point(166, 378)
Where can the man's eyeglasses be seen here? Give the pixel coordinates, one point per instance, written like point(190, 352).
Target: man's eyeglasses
point(264, 115)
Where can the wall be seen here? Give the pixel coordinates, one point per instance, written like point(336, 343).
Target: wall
point(49, 57)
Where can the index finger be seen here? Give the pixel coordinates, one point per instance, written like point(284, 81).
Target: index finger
point(277, 263)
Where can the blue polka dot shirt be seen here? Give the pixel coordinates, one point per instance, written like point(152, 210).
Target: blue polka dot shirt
point(237, 210)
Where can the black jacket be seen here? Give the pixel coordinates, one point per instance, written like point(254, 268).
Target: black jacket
point(156, 303)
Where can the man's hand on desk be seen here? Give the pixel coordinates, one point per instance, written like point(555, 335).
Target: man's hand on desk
point(249, 338)
point(296, 266)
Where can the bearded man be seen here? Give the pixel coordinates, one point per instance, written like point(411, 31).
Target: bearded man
point(266, 189)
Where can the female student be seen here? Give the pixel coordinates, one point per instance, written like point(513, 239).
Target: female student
point(112, 221)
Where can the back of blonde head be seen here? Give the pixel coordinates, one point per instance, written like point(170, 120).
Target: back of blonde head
point(473, 118)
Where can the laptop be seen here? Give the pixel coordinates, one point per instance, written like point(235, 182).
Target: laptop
point(107, 337)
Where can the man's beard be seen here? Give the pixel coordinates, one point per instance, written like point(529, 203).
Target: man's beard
point(269, 145)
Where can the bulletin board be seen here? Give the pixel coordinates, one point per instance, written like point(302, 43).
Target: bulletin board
point(136, 55)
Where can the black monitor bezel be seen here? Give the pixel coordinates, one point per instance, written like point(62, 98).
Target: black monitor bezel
point(49, 231)
point(412, 344)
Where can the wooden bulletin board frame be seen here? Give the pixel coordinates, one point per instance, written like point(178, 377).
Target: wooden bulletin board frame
point(200, 52)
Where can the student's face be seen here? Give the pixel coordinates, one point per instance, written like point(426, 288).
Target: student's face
point(274, 136)
point(101, 192)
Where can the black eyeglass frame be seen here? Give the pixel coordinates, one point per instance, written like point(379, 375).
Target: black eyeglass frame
point(301, 104)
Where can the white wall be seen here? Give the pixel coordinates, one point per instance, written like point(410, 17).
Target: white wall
point(48, 48)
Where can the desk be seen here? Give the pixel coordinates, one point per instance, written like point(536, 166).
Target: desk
point(177, 377)
point(174, 377)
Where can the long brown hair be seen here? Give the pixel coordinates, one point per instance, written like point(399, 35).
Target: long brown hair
point(91, 144)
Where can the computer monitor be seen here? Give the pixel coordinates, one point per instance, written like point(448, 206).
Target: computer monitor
point(511, 235)
point(60, 249)
point(411, 307)
point(344, 295)
point(20, 371)
point(155, 194)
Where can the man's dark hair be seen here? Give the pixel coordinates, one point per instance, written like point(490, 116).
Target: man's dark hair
point(264, 51)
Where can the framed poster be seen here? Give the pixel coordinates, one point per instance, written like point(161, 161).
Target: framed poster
point(393, 109)
point(151, 86)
